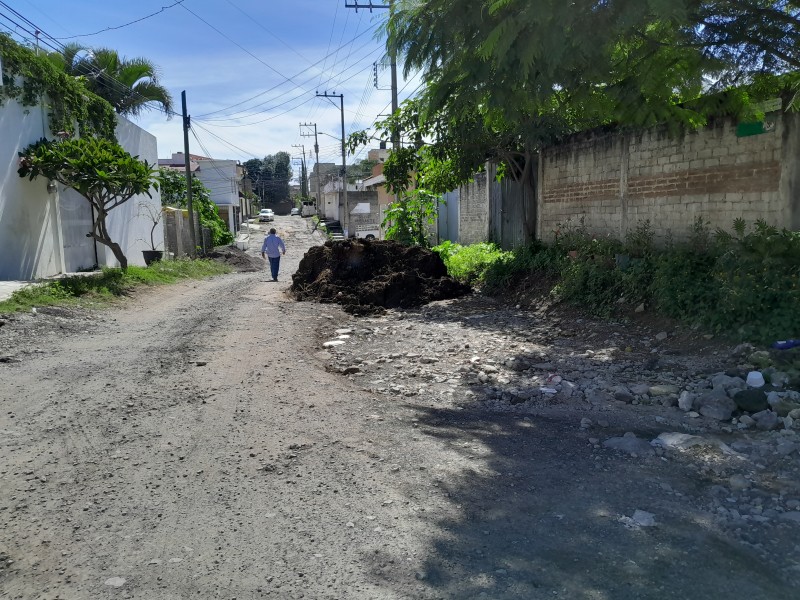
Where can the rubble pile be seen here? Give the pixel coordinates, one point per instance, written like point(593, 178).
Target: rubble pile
point(367, 276)
point(237, 259)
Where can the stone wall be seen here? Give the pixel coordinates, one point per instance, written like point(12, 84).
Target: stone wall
point(613, 180)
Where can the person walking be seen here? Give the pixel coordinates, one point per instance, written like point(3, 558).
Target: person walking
point(272, 249)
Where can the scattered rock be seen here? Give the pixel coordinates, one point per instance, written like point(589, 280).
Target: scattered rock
point(766, 420)
point(760, 359)
point(115, 582)
point(640, 518)
point(751, 400)
point(738, 483)
point(663, 390)
point(686, 401)
point(630, 443)
point(679, 441)
point(716, 405)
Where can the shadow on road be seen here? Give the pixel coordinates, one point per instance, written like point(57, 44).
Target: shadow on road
point(538, 516)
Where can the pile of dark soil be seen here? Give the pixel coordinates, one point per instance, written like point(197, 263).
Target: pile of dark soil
point(366, 276)
point(236, 259)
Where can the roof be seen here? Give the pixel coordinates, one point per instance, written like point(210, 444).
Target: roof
point(374, 181)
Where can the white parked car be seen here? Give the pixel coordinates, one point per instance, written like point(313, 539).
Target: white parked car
point(295, 212)
point(265, 215)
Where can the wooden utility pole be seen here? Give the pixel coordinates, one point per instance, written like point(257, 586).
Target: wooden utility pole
point(316, 153)
point(303, 172)
point(346, 219)
point(187, 163)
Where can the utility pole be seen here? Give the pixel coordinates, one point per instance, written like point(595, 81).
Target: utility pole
point(368, 5)
point(316, 152)
point(186, 125)
point(303, 176)
point(346, 219)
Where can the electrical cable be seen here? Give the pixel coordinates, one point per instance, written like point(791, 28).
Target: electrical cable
point(238, 45)
point(58, 47)
point(163, 8)
point(280, 84)
point(330, 41)
point(212, 123)
point(267, 30)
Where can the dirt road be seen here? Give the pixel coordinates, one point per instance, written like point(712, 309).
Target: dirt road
point(200, 443)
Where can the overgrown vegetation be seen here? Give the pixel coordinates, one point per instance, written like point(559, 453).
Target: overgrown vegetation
point(31, 79)
point(110, 283)
point(744, 284)
point(468, 263)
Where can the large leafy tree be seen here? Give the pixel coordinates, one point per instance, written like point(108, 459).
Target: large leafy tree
point(130, 85)
point(504, 77)
point(270, 176)
point(99, 170)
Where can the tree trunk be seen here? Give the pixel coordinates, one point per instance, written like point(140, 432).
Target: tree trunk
point(100, 234)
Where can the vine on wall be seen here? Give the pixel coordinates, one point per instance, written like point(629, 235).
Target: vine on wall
point(41, 81)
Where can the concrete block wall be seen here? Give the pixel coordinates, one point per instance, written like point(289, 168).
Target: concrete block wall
point(616, 179)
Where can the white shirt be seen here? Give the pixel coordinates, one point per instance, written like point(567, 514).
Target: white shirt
point(273, 246)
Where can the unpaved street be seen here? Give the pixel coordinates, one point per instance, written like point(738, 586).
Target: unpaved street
point(199, 442)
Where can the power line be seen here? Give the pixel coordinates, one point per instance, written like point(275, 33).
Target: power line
point(267, 30)
point(163, 8)
point(238, 45)
point(211, 122)
point(282, 83)
point(57, 46)
point(229, 144)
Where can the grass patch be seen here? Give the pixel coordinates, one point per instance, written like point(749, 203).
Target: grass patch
point(468, 263)
point(109, 284)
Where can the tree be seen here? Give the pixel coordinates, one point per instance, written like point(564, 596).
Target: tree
point(99, 170)
point(505, 77)
point(32, 79)
point(130, 85)
point(173, 193)
point(253, 169)
point(282, 174)
point(360, 170)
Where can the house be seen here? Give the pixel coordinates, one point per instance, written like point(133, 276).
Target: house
point(226, 182)
point(43, 226)
point(321, 174)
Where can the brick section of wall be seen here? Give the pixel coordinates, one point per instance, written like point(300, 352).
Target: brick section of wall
point(614, 180)
point(473, 217)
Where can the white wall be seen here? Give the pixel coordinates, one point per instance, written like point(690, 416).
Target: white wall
point(29, 242)
point(44, 234)
point(129, 224)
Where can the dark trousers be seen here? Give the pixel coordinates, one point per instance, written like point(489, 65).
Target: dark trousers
point(274, 265)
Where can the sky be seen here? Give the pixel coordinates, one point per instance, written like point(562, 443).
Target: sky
point(250, 69)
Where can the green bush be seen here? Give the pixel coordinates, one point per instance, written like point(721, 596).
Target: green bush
point(744, 284)
point(468, 263)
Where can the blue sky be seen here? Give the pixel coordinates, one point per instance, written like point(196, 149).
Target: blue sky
point(250, 68)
